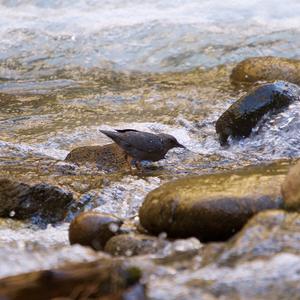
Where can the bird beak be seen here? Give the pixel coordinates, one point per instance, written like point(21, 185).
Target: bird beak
point(180, 146)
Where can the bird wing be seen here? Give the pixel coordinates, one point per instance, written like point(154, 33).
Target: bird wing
point(131, 138)
point(126, 130)
point(142, 141)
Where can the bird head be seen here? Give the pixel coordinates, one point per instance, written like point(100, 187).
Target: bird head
point(170, 141)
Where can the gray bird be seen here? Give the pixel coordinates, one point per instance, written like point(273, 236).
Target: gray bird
point(139, 145)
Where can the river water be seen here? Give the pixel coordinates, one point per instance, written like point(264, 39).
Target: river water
point(70, 68)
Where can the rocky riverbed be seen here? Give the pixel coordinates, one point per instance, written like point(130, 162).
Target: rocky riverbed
point(217, 220)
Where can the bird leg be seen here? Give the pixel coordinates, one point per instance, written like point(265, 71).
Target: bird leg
point(129, 161)
point(138, 165)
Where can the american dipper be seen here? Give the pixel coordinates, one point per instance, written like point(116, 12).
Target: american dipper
point(139, 145)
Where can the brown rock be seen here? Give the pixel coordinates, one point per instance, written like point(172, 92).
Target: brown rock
point(103, 279)
point(94, 229)
point(291, 189)
point(108, 157)
point(133, 244)
point(212, 207)
point(267, 68)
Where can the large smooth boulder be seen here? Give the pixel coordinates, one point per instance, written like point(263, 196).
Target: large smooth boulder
point(108, 157)
point(243, 115)
point(291, 188)
point(212, 207)
point(266, 68)
point(42, 202)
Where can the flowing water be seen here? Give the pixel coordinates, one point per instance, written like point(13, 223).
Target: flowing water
point(70, 68)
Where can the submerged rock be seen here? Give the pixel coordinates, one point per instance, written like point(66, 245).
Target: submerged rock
point(44, 202)
point(266, 234)
point(268, 68)
point(134, 244)
point(291, 189)
point(94, 229)
point(108, 157)
point(243, 115)
point(211, 207)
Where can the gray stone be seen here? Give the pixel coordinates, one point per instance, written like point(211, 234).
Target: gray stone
point(134, 244)
point(268, 233)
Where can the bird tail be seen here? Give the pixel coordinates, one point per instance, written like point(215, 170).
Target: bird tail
point(111, 134)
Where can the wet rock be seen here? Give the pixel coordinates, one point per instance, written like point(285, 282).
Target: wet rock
point(291, 188)
point(41, 202)
point(134, 244)
point(177, 251)
point(268, 68)
point(94, 229)
point(274, 278)
point(211, 207)
point(266, 234)
point(239, 119)
point(108, 157)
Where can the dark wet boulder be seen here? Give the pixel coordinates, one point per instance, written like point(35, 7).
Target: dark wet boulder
point(267, 68)
point(243, 115)
point(109, 157)
point(212, 207)
point(94, 229)
point(291, 189)
point(41, 202)
point(134, 244)
point(268, 233)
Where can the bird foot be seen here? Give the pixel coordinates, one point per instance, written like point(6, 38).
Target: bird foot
point(137, 164)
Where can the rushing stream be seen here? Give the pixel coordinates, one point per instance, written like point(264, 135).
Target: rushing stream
point(70, 68)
